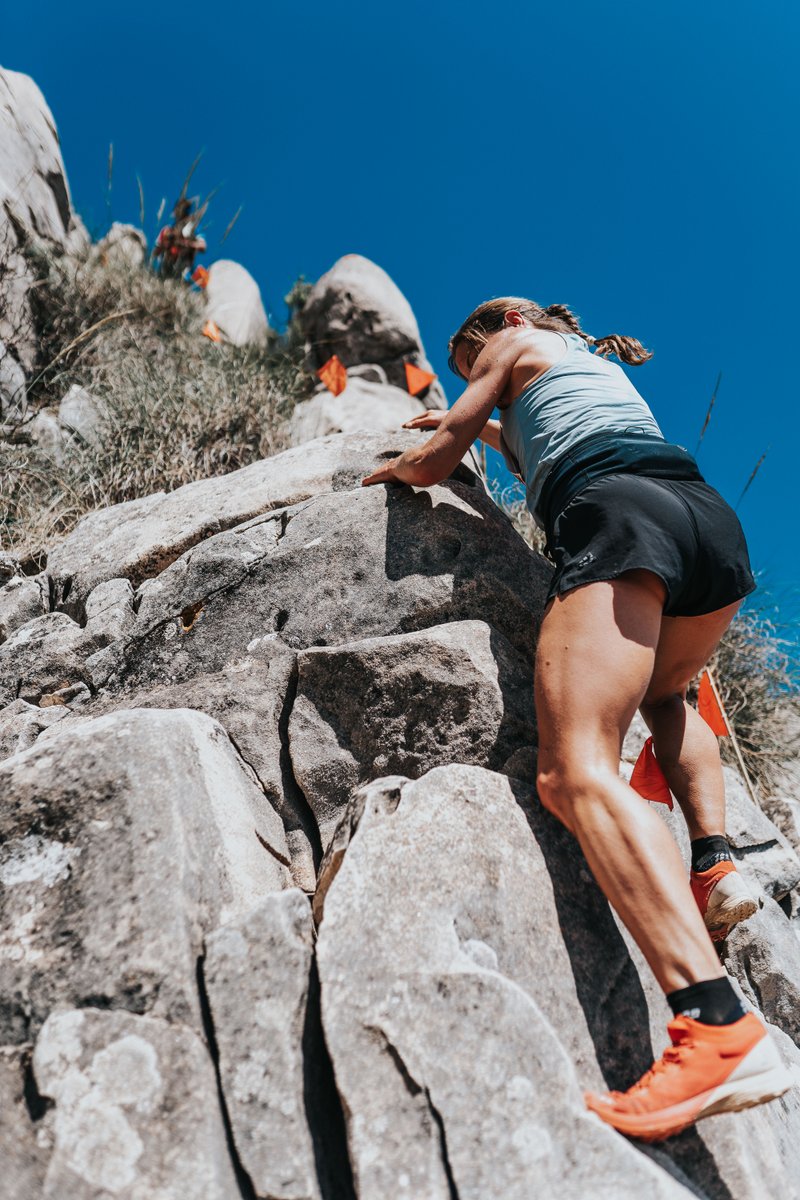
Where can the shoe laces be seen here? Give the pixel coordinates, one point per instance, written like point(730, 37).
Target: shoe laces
point(672, 1056)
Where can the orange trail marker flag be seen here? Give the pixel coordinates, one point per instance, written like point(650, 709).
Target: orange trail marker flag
point(709, 707)
point(417, 379)
point(648, 779)
point(333, 374)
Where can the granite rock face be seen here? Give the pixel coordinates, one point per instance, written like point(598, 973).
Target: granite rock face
point(34, 204)
point(219, 628)
point(344, 566)
point(257, 973)
point(124, 839)
point(364, 405)
point(139, 538)
point(472, 977)
point(402, 704)
point(135, 1109)
point(462, 950)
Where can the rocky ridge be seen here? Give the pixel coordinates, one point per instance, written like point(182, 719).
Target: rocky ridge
point(283, 917)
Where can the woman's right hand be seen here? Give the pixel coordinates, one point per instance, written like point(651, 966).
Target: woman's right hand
point(431, 419)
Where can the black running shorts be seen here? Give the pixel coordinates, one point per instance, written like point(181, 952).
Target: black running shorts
point(682, 529)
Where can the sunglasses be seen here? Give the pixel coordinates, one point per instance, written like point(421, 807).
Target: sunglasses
point(451, 362)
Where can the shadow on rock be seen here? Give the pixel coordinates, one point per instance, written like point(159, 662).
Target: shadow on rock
point(495, 576)
point(609, 989)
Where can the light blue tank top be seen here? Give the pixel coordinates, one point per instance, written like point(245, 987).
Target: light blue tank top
point(579, 395)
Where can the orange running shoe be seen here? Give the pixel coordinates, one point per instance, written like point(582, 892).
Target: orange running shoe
point(707, 1069)
point(723, 898)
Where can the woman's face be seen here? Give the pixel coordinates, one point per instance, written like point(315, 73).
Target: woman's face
point(465, 354)
point(465, 359)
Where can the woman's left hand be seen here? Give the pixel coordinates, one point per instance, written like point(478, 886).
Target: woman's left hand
point(385, 474)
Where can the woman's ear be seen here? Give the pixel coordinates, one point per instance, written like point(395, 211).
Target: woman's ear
point(513, 318)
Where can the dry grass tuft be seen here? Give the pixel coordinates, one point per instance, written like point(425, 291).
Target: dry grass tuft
point(757, 671)
point(511, 499)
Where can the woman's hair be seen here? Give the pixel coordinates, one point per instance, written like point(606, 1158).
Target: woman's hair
point(488, 319)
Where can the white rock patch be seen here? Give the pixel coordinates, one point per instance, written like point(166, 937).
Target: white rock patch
point(37, 859)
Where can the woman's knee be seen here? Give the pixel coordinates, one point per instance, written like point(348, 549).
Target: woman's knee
point(563, 786)
point(664, 695)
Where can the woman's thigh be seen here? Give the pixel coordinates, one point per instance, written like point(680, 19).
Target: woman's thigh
point(594, 660)
point(684, 647)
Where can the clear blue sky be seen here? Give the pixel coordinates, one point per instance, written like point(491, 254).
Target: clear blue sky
point(635, 161)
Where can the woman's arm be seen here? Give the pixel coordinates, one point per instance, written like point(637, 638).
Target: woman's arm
point(433, 418)
point(437, 458)
point(491, 434)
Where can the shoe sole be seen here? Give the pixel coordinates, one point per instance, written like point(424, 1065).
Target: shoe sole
point(720, 918)
point(730, 914)
point(733, 1096)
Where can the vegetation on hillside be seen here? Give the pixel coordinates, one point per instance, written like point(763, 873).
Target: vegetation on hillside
point(179, 406)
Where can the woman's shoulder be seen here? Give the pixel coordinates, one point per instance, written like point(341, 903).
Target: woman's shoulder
point(540, 351)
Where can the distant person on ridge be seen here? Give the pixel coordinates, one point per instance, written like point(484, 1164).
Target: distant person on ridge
point(178, 243)
point(651, 566)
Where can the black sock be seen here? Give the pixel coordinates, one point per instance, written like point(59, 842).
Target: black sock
point(714, 1002)
point(708, 851)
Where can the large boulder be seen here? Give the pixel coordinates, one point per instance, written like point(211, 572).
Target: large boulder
point(34, 203)
point(403, 704)
point(125, 839)
point(336, 568)
point(233, 303)
point(33, 183)
point(473, 978)
point(218, 629)
point(139, 538)
point(356, 311)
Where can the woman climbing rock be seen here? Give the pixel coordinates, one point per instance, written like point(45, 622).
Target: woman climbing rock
point(651, 565)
